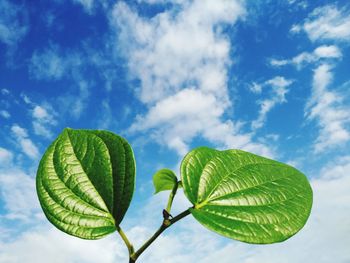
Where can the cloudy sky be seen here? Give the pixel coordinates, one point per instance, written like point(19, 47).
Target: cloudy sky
point(269, 77)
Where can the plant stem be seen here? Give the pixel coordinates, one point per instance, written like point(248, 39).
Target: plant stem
point(164, 226)
point(126, 240)
point(171, 197)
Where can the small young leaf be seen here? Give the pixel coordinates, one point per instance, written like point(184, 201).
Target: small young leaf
point(85, 182)
point(244, 196)
point(163, 180)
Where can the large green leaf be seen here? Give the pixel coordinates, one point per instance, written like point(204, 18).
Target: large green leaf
point(245, 196)
point(85, 182)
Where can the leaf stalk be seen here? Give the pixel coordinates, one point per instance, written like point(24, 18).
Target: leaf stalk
point(126, 240)
point(171, 197)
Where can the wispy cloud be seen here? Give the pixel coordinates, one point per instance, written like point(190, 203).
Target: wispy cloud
point(12, 26)
point(5, 92)
point(43, 116)
point(5, 114)
point(90, 6)
point(327, 108)
point(18, 131)
point(80, 66)
point(6, 157)
point(279, 88)
point(26, 144)
point(182, 60)
point(298, 4)
point(319, 54)
point(106, 116)
point(18, 195)
point(43, 120)
point(17, 188)
point(326, 23)
point(60, 247)
point(53, 64)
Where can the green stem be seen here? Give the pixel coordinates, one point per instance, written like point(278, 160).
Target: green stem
point(126, 240)
point(171, 197)
point(164, 226)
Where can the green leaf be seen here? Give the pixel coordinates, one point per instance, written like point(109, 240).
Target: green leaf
point(85, 182)
point(124, 170)
point(163, 180)
point(245, 196)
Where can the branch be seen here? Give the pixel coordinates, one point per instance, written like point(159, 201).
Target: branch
point(166, 223)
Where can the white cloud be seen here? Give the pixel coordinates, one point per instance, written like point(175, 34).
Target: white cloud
point(47, 244)
point(5, 157)
point(5, 92)
point(75, 102)
point(326, 23)
point(278, 62)
point(40, 113)
point(106, 117)
point(328, 52)
point(12, 28)
point(18, 131)
point(336, 170)
point(181, 116)
point(319, 54)
point(43, 120)
point(295, 28)
point(83, 66)
point(255, 88)
point(5, 114)
point(298, 4)
point(169, 51)
point(53, 64)
point(27, 146)
point(162, 1)
point(278, 93)
point(41, 129)
point(88, 5)
point(47, 65)
point(80, 102)
point(18, 195)
point(327, 108)
point(26, 99)
point(280, 83)
point(182, 59)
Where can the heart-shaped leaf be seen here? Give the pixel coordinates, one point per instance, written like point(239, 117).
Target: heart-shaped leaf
point(163, 180)
point(244, 196)
point(85, 182)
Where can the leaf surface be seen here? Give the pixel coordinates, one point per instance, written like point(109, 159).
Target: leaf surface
point(245, 196)
point(124, 171)
point(163, 180)
point(85, 182)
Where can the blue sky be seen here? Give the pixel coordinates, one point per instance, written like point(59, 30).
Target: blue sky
point(270, 77)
